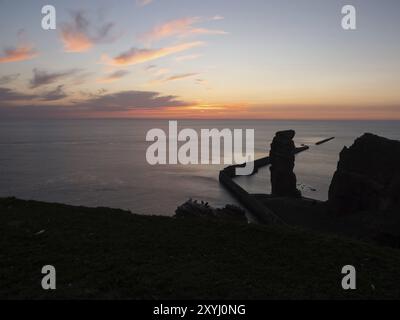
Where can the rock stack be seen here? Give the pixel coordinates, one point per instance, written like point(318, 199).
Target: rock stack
point(282, 154)
point(367, 176)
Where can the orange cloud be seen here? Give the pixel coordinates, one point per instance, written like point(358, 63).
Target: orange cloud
point(75, 42)
point(136, 56)
point(20, 53)
point(113, 76)
point(179, 27)
point(181, 76)
point(80, 35)
point(174, 78)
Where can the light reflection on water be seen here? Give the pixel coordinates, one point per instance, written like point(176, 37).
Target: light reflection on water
point(102, 162)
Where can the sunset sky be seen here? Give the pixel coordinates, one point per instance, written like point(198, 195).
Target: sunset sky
point(244, 59)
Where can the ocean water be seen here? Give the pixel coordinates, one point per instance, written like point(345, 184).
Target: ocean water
point(103, 162)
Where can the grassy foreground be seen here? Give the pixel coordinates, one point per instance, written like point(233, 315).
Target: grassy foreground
point(110, 254)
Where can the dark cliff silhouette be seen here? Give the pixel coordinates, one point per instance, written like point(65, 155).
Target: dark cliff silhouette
point(282, 154)
point(367, 176)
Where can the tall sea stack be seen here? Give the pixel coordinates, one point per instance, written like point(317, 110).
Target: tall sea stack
point(282, 154)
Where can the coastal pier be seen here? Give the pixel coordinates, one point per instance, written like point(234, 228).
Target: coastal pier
point(260, 211)
point(324, 141)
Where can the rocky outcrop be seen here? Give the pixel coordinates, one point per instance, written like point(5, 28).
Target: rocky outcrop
point(367, 176)
point(204, 210)
point(282, 154)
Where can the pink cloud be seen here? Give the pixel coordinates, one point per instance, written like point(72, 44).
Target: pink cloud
point(179, 27)
point(75, 41)
point(136, 56)
point(20, 53)
point(79, 35)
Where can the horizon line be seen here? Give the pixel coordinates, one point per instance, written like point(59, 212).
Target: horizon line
point(188, 119)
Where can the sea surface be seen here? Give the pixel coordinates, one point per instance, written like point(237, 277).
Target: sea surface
point(103, 162)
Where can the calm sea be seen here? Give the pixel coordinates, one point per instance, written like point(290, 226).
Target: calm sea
point(103, 162)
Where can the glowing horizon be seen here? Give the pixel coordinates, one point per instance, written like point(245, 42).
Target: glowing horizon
point(175, 59)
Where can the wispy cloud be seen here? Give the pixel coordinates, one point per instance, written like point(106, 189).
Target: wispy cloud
point(180, 76)
point(150, 67)
point(136, 56)
point(10, 95)
point(127, 100)
point(22, 105)
point(179, 27)
point(9, 78)
point(80, 35)
point(13, 97)
point(19, 53)
point(202, 81)
point(113, 76)
point(174, 77)
point(53, 95)
point(42, 77)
